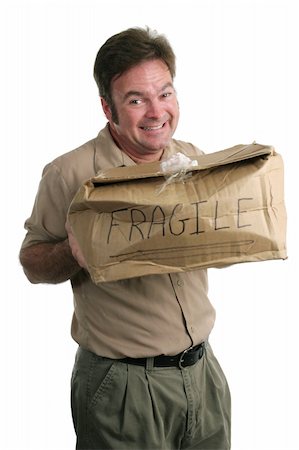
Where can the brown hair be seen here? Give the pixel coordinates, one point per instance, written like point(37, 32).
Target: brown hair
point(127, 49)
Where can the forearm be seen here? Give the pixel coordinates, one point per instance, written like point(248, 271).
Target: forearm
point(49, 262)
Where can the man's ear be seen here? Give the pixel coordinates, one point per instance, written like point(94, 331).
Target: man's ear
point(106, 109)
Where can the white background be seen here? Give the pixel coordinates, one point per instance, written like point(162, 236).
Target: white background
point(237, 81)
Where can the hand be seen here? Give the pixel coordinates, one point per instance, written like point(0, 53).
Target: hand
point(75, 248)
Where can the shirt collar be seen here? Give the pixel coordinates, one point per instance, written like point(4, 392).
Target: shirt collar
point(108, 154)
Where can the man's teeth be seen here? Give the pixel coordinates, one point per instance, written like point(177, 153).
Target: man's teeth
point(152, 128)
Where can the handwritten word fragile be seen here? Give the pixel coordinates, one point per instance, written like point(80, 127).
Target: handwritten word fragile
point(144, 222)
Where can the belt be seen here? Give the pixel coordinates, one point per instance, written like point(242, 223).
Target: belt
point(184, 359)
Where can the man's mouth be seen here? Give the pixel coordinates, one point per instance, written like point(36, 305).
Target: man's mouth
point(158, 127)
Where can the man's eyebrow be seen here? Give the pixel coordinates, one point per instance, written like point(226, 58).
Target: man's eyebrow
point(134, 93)
point(167, 85)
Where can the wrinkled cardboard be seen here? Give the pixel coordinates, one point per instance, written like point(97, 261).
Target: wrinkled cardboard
point(137, 220)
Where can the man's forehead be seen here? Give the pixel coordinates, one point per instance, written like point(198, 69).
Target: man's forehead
point(150, 75)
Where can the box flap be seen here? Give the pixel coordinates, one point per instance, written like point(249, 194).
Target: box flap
point(220, 158)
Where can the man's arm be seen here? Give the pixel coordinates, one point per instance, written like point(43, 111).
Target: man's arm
point(49, 262)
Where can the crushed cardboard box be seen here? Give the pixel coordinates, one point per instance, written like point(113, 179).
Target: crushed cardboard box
point(137, 220)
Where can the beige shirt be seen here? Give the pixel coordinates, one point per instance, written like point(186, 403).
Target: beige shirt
point(137, 317)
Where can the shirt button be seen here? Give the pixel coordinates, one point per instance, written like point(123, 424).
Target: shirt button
point(180, 283)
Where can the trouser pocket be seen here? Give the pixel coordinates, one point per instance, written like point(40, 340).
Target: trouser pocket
point(92, 382)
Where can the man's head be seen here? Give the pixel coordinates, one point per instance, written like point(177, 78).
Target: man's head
point(124, 51)
point(134, 71)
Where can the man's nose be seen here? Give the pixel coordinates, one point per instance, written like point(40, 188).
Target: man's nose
point(154, 109)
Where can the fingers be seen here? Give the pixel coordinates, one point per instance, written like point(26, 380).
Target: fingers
point(75, 248)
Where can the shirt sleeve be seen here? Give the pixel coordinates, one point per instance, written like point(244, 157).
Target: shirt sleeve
point(48, 217)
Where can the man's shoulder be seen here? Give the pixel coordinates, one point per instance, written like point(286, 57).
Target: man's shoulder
point(75, 155)
point(72, 168)
point(94, 155)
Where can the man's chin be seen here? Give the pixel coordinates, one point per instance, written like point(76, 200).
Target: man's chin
point(154, 147)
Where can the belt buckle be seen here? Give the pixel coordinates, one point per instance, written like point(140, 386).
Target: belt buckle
point(181, 360)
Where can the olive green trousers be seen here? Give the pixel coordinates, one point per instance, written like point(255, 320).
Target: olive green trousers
point(127, 407)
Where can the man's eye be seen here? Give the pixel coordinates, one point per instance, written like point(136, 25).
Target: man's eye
point(135, 101)
point(166, 94)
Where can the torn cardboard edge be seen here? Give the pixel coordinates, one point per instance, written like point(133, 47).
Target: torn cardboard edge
point(220, 158)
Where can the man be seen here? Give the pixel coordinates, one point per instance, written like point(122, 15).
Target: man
point(145, 376)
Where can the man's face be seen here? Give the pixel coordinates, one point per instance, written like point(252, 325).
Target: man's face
point(147, 110)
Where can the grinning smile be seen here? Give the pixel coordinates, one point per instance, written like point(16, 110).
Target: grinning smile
point(158, 127)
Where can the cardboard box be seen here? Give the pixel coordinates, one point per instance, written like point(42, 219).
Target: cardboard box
point(137, 220)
